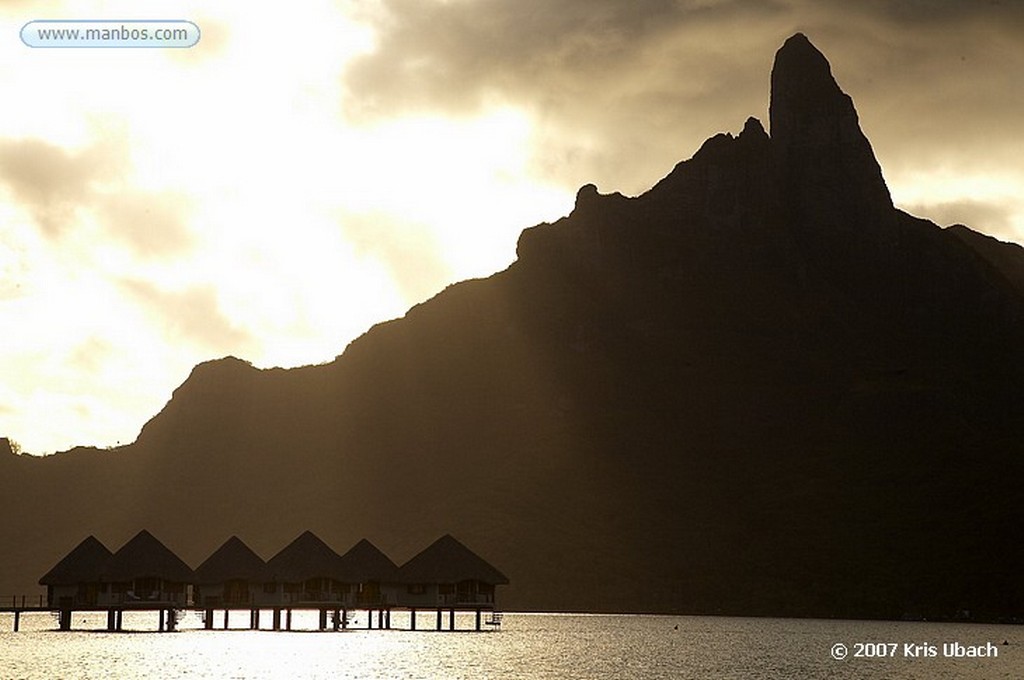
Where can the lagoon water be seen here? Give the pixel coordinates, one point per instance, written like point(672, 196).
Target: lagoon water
point(534, 646)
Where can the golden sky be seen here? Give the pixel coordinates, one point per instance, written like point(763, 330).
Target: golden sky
point(308, 170)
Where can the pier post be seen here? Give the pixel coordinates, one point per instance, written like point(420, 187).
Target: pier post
point(17, 619)
point(387, 613)
point(208, 620)
point(226, 613)
point(439, 618)
point(160, 628)
point(64, 619)
point(111, 620)
point(288, 619)
point(172, 620)
point(277, 618)
point(119, 622)
point(412, 618)
point(369, 619)
point(478, 618)
point(451, 619)
point(323, 619)
point(344, 618)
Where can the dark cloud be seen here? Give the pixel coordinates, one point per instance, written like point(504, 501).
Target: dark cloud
point(616, 88)
point(453, 55)
point(943, 92)
point(191, 315)
point(915, 13)
point(621, 91)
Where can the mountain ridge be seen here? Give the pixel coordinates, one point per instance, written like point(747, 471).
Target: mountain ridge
point(757, 388)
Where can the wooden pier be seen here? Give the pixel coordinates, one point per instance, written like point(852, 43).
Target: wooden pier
point(330, 618)
point(444, 579)
point(26, 604)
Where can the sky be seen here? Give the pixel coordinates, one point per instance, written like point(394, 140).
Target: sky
point(309, 170)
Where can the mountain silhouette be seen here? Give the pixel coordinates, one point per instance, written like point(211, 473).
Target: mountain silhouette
point(758, 389)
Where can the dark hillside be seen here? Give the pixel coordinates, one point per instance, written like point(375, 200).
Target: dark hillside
point(758, 388)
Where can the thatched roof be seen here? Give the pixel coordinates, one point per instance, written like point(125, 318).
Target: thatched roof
point(233, 560)
point(85, 564)
point(365, 562)
point(304, 558)
point(447, 560)
point(146, 557)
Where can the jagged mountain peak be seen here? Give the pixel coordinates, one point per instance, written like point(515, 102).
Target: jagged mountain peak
point(802, 89)
point(825, 161)
point(753, 127)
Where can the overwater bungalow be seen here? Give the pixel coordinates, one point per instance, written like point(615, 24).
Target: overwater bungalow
point(79, 578)
point(368, 577)
point(307, 570)
point(145, 572)
point(307, 574)
point(232, 576)
point(448, 574)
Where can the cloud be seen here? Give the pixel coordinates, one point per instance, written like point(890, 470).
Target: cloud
point(48, 179)
point(451, 54)
point(916, 13)
point(618, 91)
point(151, 224)
point(58, 187)
point(410, 254)
point(990, 218)
point(92, 354)
point(621, 91)
point(191, 315)
point(942, 91)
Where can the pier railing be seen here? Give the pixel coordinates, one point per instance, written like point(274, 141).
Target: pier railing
point(466, 598)
point(12, 602)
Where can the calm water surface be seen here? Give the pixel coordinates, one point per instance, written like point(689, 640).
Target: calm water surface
point(527, 646)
